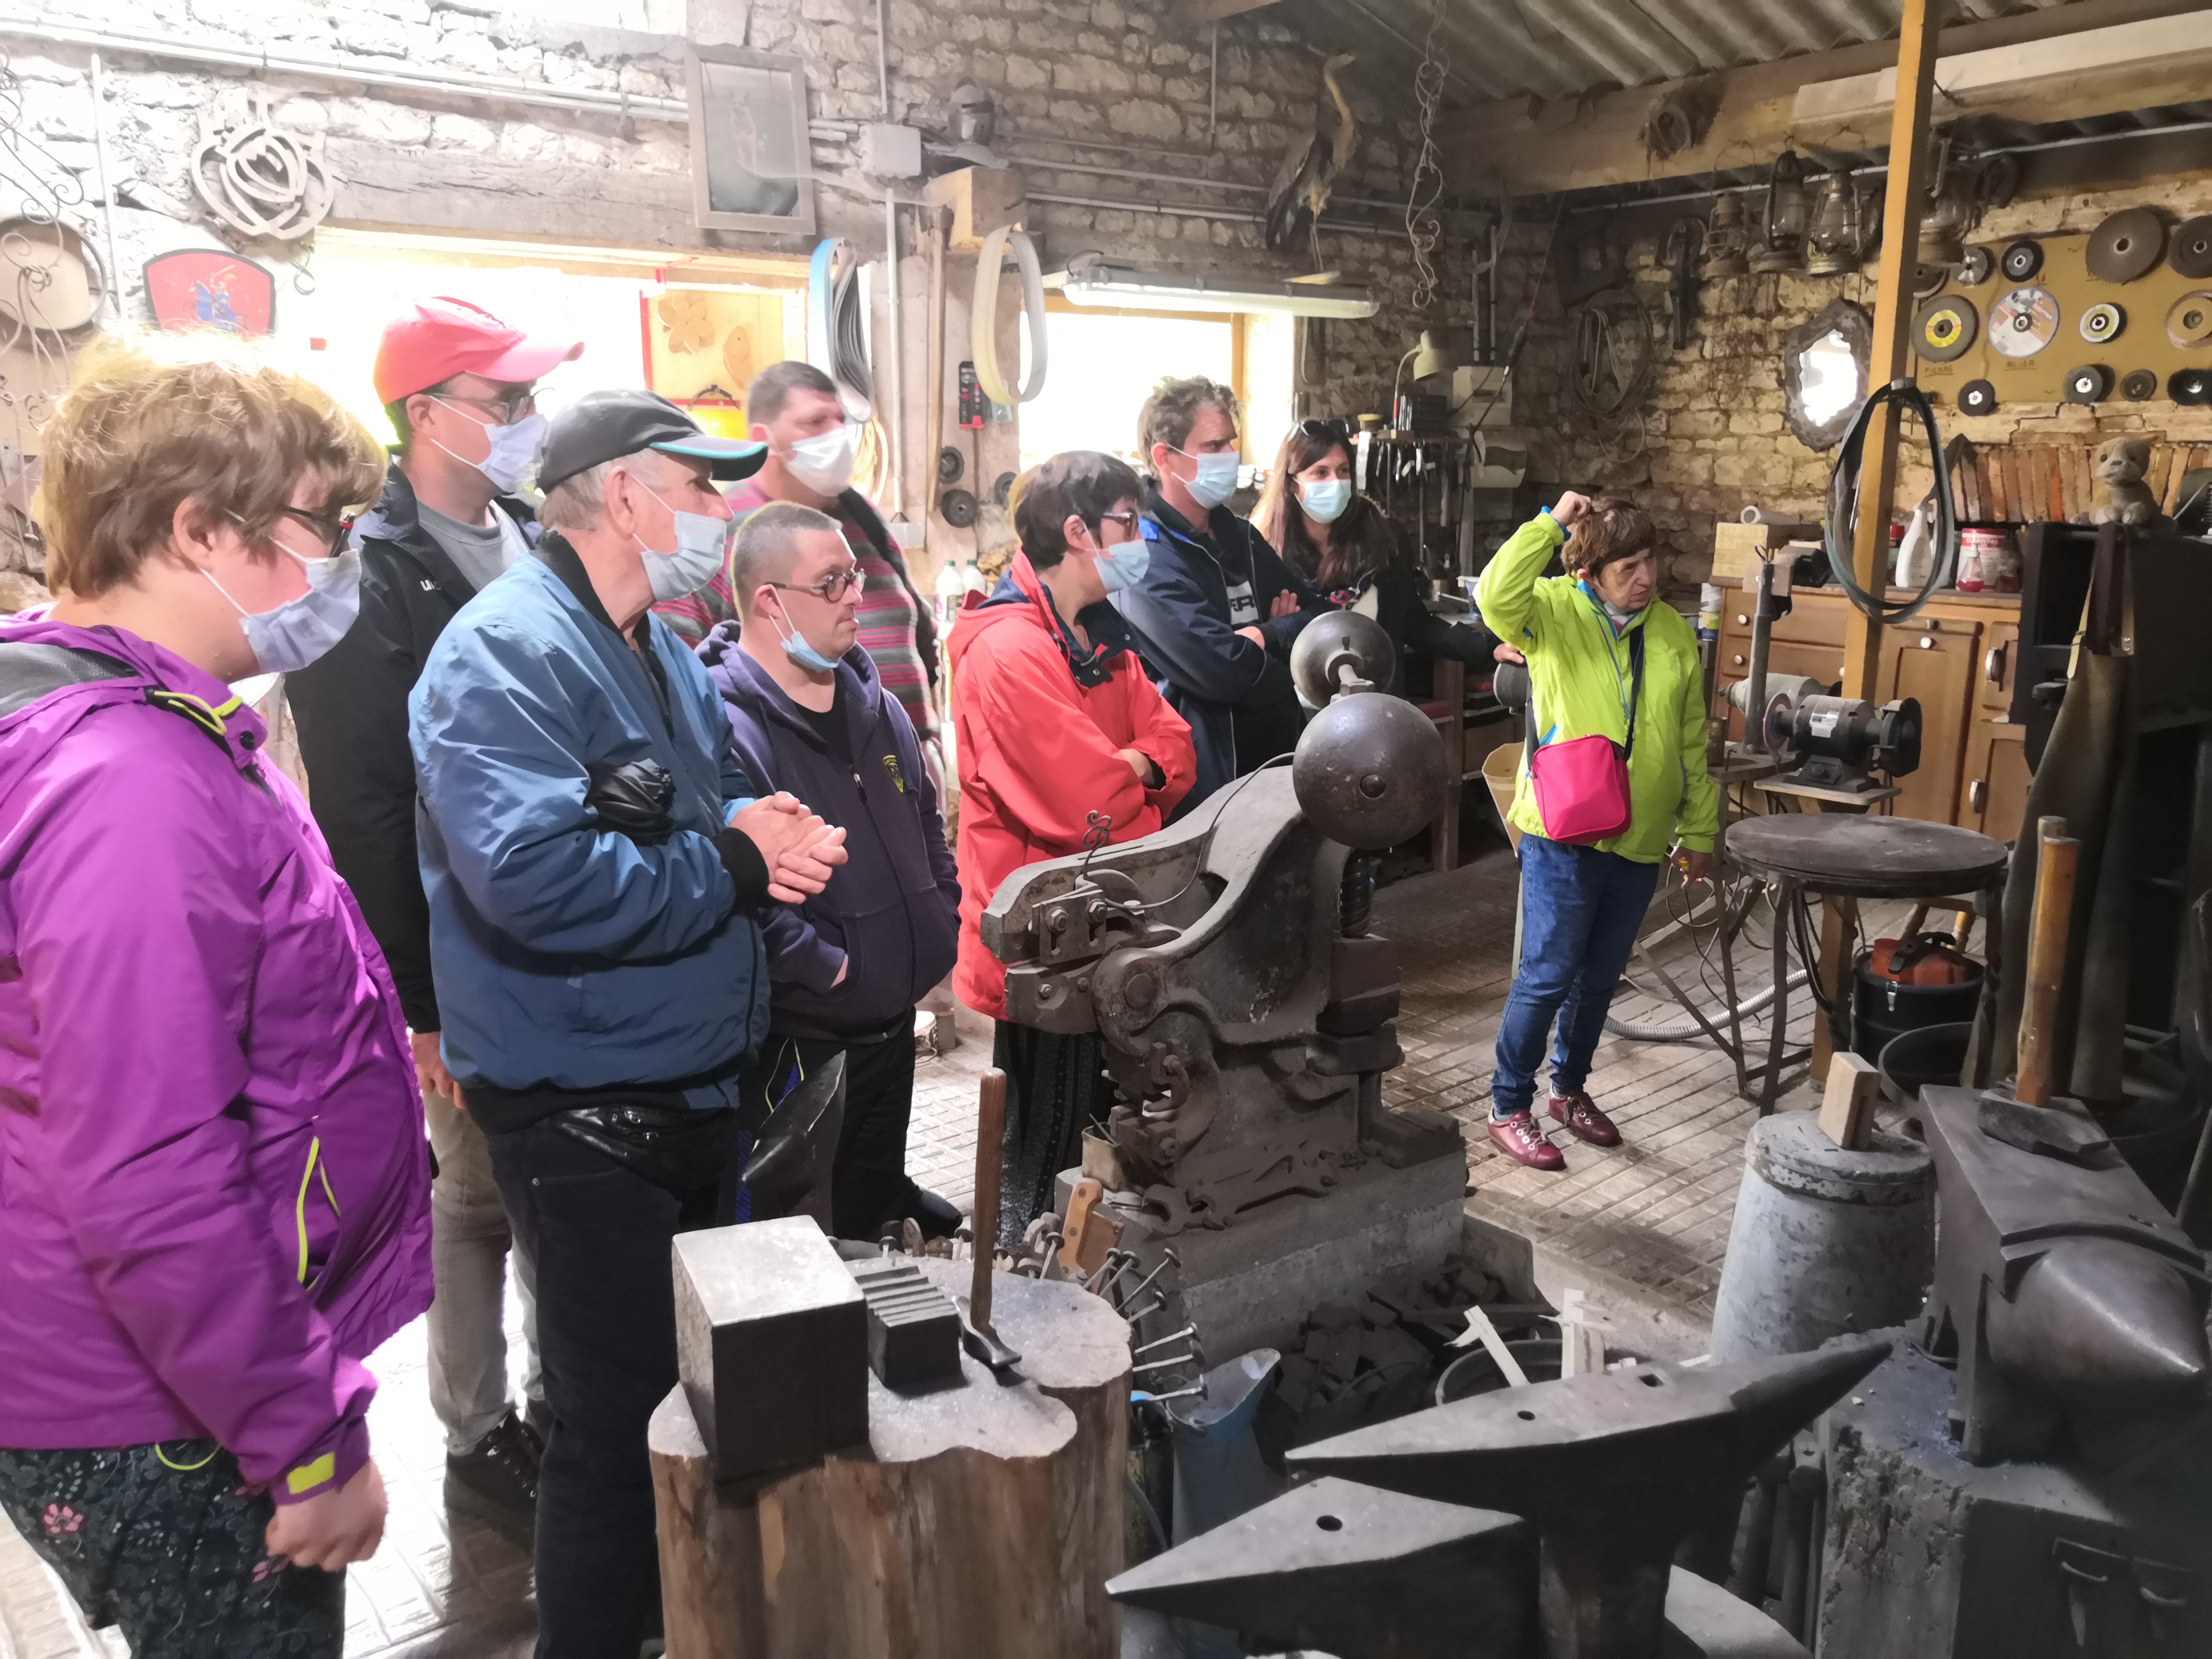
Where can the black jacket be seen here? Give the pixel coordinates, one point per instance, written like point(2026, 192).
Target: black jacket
point(351, 710)
point(1396, 582)
point(1237, 697)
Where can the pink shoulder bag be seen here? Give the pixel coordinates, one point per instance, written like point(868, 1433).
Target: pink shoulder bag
point(1581, 784)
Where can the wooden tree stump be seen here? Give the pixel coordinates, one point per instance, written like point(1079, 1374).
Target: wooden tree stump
point(980, 1522)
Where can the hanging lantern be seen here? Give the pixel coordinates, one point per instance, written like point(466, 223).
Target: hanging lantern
point(1839, 235)
point(1781, 224)
point(1724, 238)
point(1948, 213)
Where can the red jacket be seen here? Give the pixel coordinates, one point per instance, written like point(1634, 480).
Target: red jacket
point(1038, 752)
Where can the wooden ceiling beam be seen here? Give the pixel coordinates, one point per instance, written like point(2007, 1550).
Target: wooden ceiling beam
point(1533, 146)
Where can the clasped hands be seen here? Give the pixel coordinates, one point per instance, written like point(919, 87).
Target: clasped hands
point(799, 849)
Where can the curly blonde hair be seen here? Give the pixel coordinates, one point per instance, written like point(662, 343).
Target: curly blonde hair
point(145, 428)
point(1613, 529)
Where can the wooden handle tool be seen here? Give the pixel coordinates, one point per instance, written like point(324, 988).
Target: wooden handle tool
point(2056, 856)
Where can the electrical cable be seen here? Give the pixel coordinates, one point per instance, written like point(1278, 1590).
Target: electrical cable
point(1423, 227)
point(1844, 507)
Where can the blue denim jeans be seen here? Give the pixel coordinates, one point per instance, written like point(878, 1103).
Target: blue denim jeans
point(1581, 910)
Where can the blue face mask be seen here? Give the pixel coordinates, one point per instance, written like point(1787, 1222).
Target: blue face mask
point(796, 647)
point(288, 637)
point(1326, 499)
point(1122, 565)
point(1215, 480)
point(696, 559)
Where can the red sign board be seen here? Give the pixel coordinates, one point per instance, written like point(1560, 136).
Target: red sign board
point(201, 288)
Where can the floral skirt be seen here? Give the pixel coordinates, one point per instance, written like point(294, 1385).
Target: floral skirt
point(165, 1542)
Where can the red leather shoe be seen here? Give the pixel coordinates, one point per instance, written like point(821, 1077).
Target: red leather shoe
point(1520, 1139)
point(1583, 1120)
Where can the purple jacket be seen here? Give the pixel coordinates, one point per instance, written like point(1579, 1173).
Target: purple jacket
point(214, 1188)
point(891, 916)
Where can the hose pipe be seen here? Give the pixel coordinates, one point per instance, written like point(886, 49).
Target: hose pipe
point(983, 314)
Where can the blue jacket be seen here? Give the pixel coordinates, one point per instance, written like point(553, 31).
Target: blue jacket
point(1237, 697)
point(891, 916)
point(567, 956)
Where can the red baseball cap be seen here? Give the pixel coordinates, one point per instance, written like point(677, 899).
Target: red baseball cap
point(440, 338)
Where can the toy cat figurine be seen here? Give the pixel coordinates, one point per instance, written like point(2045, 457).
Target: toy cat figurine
point(2123, 497)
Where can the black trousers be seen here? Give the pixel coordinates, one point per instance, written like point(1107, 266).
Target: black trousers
point(606, 1338)
point(869, 1185)
point(1056, 1087)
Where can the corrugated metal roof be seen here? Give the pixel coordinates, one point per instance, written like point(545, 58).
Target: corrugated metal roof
point(1560, 48)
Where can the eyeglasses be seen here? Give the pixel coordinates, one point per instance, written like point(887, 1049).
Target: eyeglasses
point(1127, 520)
point(1314, 426)
point(830, 589)
point(513, 407)
point(333, 531)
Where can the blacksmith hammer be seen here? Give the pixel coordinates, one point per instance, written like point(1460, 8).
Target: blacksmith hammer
point(976, 1333)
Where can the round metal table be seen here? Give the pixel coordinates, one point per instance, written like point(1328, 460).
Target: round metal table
point(1861, 857)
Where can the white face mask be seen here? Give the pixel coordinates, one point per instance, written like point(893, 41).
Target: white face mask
point(696, 559)
point(824, 463)
point(1215, 480)
point(1325, 498)
point(512, 449)
point(287, 637)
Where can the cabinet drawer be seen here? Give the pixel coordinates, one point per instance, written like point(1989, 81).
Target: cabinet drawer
point(2000, 661)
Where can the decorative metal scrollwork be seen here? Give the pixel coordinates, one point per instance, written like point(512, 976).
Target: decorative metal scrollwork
point(260, 179)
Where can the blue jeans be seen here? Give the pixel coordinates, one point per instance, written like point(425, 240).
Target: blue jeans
point(1581, 910)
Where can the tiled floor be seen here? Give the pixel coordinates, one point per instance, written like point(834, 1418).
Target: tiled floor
point(1655, 1214)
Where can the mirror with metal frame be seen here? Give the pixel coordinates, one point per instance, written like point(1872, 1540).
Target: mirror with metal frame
point(1823, 373)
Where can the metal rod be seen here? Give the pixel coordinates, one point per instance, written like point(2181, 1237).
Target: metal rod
point(510, 90)
point(1168, 1258)
point(1233, 215)
point(1876, 168)
point(1188, 1330)
point(883, 60)
point(895, 422)
point(1167, 1364)
point(1045, 164)
point(1212, 81)
point(106, 189)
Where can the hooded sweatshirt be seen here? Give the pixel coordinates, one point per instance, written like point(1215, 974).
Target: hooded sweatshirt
point(890, 914)
point(1038, 743)
point(213, 1186)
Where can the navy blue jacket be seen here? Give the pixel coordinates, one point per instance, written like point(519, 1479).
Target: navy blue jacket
point(568, 958)
point(891, 916)
point(1237, 697)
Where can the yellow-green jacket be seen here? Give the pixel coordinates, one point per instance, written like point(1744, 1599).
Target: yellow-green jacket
point(1581, 670)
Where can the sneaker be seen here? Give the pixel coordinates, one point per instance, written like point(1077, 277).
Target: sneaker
point(1520, 1139)
point(495, 1481)
point(1583, 1120)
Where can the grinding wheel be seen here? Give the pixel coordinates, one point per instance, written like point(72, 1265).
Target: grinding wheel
point(2127, 245)
point(951, 463)
point(2189, 324)
point(958, 507)
point(2103, 321)
point(2091, 383)
point(2140, 384)
point(2189, 387)
point(2190, 251)
point(1945, 328)
point(1978, 398)
point(1976, 267)
point(2021, 260)
point(2023, 322)
point(1003, 491)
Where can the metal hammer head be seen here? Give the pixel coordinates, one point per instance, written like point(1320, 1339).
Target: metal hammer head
point(982, 1341)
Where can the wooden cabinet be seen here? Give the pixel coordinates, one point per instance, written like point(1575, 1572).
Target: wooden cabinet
point(1994, 799)
point(1958, 658)
point(1938, 660)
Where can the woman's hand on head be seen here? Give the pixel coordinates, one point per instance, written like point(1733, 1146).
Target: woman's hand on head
point(1568, 508)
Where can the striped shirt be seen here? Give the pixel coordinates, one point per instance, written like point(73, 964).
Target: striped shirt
point(887, 612)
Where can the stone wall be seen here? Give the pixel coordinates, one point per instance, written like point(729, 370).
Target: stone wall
point(1110, 70)
point(1716, 438)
